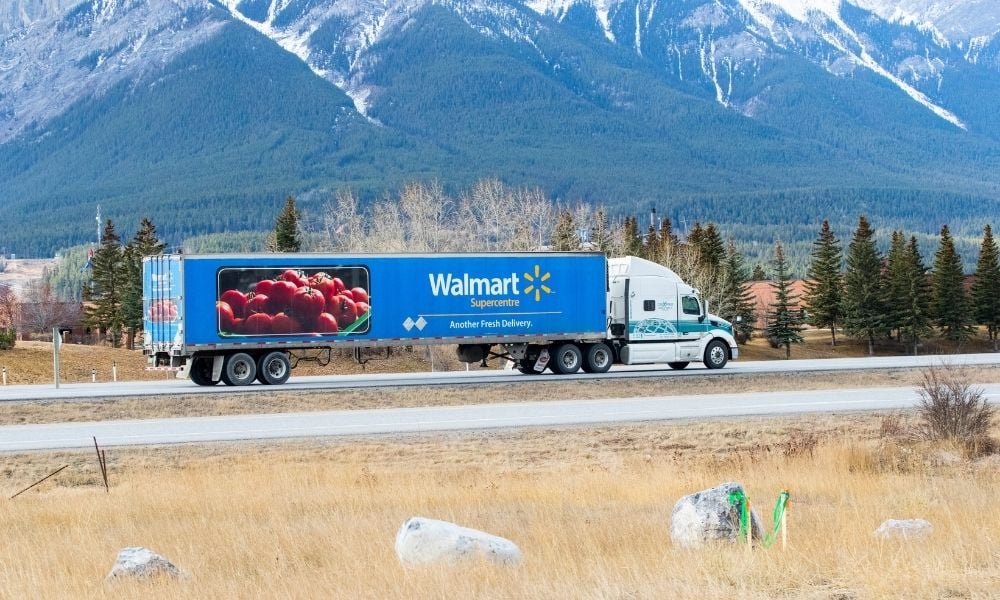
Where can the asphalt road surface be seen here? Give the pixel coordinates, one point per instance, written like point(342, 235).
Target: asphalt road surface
point(90, 391)
point(452, 418)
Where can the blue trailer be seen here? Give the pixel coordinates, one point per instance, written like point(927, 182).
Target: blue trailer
point(224, 318)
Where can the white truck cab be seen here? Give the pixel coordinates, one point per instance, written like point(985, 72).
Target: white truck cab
point(654, 317)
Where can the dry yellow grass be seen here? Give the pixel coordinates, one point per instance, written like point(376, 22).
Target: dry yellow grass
point(590, 508)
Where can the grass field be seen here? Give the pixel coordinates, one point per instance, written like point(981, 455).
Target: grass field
point(590, 508)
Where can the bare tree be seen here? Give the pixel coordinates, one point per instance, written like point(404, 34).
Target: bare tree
point(46, 310)
point(8, 307)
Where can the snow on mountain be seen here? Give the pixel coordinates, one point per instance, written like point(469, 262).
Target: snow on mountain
point(56, 56)
point(53, 52)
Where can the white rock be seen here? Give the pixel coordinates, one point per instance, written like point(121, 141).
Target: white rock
point(708, 516)
point(141, 563)
point(903, 528)
point(422, 541)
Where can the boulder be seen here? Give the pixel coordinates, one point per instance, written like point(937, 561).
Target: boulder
point(903, 528)
point(707, 516)
point(140, 563)
point(424, 541)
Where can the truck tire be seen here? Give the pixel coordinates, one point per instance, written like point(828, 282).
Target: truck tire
point(273, 368)
point(567, 359)
point(599, 358)
point(201, 371)
point(239, 369)
point(677, 366)
point(716, 355)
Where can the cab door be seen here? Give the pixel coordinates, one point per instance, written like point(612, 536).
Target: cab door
point(690, 319)
point(652, 310)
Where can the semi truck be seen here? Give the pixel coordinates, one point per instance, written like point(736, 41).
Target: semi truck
point(245, 318)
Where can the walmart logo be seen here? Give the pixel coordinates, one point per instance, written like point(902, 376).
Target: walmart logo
point(536, 283)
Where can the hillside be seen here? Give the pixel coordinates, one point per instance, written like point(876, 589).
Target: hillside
point(767, 116)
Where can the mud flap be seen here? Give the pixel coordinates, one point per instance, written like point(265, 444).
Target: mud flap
point(542, 362)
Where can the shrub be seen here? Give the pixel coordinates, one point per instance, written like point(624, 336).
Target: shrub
point(951, 408)
point(8, 335)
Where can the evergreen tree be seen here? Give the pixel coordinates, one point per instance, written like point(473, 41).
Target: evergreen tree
point(738, 301)
point(986, 288)
point(287, 237)
point(711, 250)
point(600, 233)
point(864, 309)
point(784, 321)
point(109, 281)
point(897, 282)
point(824, 286)
point(914, 314)
point(667, 235)
point(950, 307)
point(145, 243)
point(564, 235)
point(651, 247)
point(633, 241)
point(758, 273)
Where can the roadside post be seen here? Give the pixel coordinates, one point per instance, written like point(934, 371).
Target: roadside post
point(57, 333)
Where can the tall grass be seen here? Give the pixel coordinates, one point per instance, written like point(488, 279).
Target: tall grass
point(589, 508)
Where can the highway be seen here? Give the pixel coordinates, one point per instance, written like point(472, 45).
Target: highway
point(452, 418)
point(91, 391)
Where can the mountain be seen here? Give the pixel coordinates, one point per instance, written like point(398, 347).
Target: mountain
point(763, 114)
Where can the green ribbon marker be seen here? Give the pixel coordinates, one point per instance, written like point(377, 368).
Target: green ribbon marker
point(738, 499)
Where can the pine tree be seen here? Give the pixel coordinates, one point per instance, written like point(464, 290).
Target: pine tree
point(107, 287)
point(651, 247)
point(633, 241)
point(897, 282)
point(286, 228)
point(950, 306)
point(711, 250)
point(667, 235)
point(564, 235)
point(784, 321)
point(824, 286)
point(738, 301)
point(145, 243)
point(758, 273)
point(864, 309)
point(986, 288)
point(600, 233)
point(914, 314)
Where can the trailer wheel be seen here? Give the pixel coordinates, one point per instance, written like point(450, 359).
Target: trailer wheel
point(239, 369)
point(567, 359)
point(527, 366)
point(599, 358)
point(201, 371)
point(273, 368)
point(677, 366)
point(716, 355)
